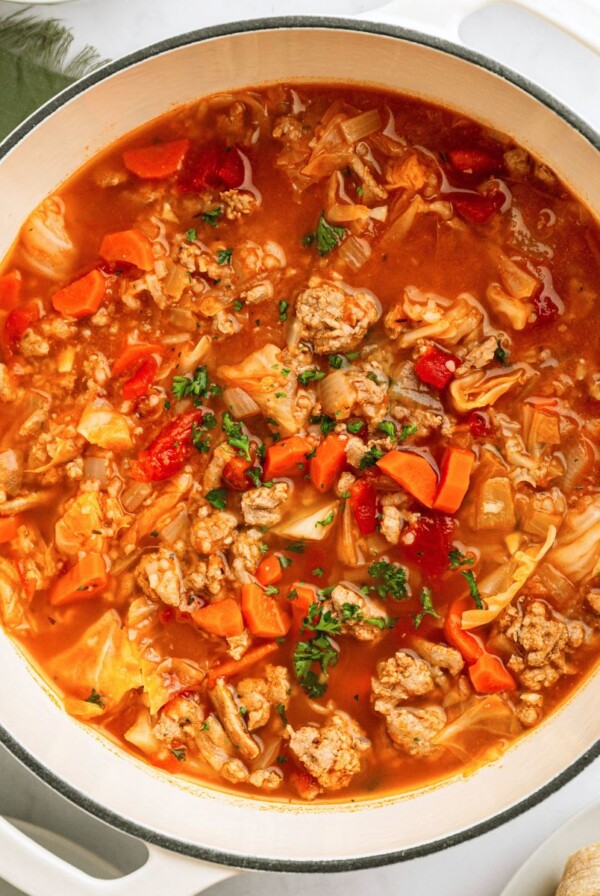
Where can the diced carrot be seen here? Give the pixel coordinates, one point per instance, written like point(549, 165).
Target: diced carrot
point(133, 354)
point(455, 474)
point(10, 290)
point(8, 528)
point(157, 161)
point(131, 246)
point(413, 472)
point(467, 643)
point(300, 598)
point(234, 474)
point(234, 667)
point(287, 457)
point(263, 615)
point(488, 675)
point(306, 785)
point(328, 463)
point(85, 580)
point(223, 618)
point(269, 570)
point(82, 297)
point(139, 384)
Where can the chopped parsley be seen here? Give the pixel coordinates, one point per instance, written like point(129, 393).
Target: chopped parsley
point(191, 235)
point(373, 377)
point(353, 613)
point(352, 356)
point(217, 497)
point(236, 436)
point(409, 429)
point(308, 376)
point(327, 521)
point(238, 305)
point(501, 355)
point(255, 474)
point(318, 651)
point(427, 607)
point(280, 710)
point(281, 759)
point(212, 216)
point(326, 236)
point(283, 311)
point(473, 589)
point(200, 439)
point(458, 559)
point(328, 424)
point(296, 547)
point(393, 580)
point(205, 726)
point(335, 361)
point(271, 590)
point(371, 457)
point(355, 426)
point(224, 256)
point(388, 428)
point(95, 698)
point(318, 571)
point(178, 753)
point(243, 711)
point(197, 386)
point(284, 562)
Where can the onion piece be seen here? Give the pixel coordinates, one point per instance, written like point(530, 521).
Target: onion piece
point(355, 251)
point(175, 527)
point(96, 468)
point(189, 362)
point(312, 526)
point(361, 126)
point(294, 331)
point(134, 496)
point(176, 281)
point(240, 403)
point(337, 395)
point(349, 551)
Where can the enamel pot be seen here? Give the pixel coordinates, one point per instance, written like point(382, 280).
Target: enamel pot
point(196, 835)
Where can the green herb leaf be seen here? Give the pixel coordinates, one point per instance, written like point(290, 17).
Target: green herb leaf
point(283, 311)
point(501, 355)
point(335, 361)
point(271, 590)
point(191, 235)
point(238, 305)
point(409, 429)
point(393, 580)
point(371, 457)
point(355, 426)
point(212, 216)
point(280, 710)
point(179, 753)
point(296, 547)
point(309, 376)
point(327, 521)
point(255, 474)
point(473, 589)
point(318, 571)
point(95, 698)
point(224, 256)
point(388, 428)
point(458, 559)
point(236, 436)
point(326, 236)
point(284, 562)
point(217, 497)
point(428, 608)
point(195, 387)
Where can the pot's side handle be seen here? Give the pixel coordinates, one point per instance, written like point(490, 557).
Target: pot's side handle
point(33, 869)
point(442, 18)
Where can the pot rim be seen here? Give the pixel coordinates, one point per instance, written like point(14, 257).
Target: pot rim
point(62, 786)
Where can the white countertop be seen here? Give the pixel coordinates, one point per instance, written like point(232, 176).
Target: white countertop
point(480, 867)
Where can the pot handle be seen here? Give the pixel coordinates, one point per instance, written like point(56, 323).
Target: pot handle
point(33, 869)
point(442, 18)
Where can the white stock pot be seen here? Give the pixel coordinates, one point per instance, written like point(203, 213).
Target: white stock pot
point(184, 823)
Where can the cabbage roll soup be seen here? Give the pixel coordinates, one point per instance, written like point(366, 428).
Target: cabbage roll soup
point(298, 445)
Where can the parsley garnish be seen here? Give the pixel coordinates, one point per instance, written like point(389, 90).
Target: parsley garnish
point(355, 426)
point(179, 753)
point(95, 698)
point(473, 589)
point(458, 559)
point(327, 521)
point(428, 608)
point(393, 580)
point(281, 759)
point(501, 355)
point(238, 305)
point(352, 356)
point(296, 547)
point(283, 311)
point(353, 613)
point(308, 376)
point(197, 386)
point(409, 429)
point(217, 497)
point(371, 457)
point(335, 361)
point(318, 651)
point(271, 590)
point(224, 256)
point(191, 235)
point(236, 436)
point(326, 236)
point(318, 571)
point(255, 473)
point(212, 216)
point(388, 428)
point(280, 710)
point(284, 562)
point(200, 439)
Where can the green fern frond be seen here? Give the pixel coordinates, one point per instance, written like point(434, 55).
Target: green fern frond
point(47, 42)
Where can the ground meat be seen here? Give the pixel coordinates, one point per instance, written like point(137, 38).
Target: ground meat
point(260, 695)
point(530, 709)
point(392, 518)
point(413, 729)
point(398, 678)
point(213, 530)
point(344, 483)
point(224, 701)
point(439, 655)
point(334, 320)
point(33, 345)
point(355, 612)
point(543, 643)
point(159, 576)
point(208, 575)
point(265, 506)
point(236, 204)
point(478, 356)
point(8, 391)
point(245, 554)
point(355, 450)
point(370, 385)
point(288, 127)
point(237, 645)
point(517, 162)
point(331, 754)
point(593, 600)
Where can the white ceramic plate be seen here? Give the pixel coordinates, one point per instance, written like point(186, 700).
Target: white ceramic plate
point(541, 873)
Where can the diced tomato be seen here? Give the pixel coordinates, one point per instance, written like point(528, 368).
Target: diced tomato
point(15, 325)
point(216, 167)
point(166, 615)
point(474, 207)
point(431, 542)
point(235, 474)
point(10, 290)
point(116, 268)
point(363, 504)
point(138, 385)
point(436, 368)
point(473, 161)
point(545, 309)
point(479, 424)
point(169, 451)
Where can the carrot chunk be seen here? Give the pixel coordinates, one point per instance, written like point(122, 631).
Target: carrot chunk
point(288, 457)
point(488, 675)
point(85, 580)
point(82, 297)
point(264, 617)
point(10, 290)
point(269, 570)
point(300, 597)
point(131, 246)
point(455, 474)
point(157, 161)
point(328, 463)
point(223, 618)
point(413, 472)
point(467, 643)
point(8, 528)
point(133, 354)
point(235, 667)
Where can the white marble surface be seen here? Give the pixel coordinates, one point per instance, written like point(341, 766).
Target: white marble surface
point(480, 867)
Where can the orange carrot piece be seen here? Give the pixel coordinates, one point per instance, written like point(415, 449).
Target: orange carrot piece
point(263, 615)
point(82, 297)
point(303, 597)
point(10, 290)
point(157, 161)
point(134, 353)
point(223, 618)
point(413, 472)
point(455, 474)
point(269, 570)
point(131, 246)
point(488, 675)
point(85, 580)
point(328, 463)
point(287, 457)
point(8, 528)
point(467, 643)
point(234, 667)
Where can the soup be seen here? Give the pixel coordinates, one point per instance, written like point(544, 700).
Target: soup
point(298, 465)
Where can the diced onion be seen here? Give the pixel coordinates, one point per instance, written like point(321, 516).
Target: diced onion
point(175, 527)
point(240, 403)
point(135, 495)
point(176, 280)
point(337, 395)
point(355, 251)
point(294, 332)
point(361, 125)
point(96, 468)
